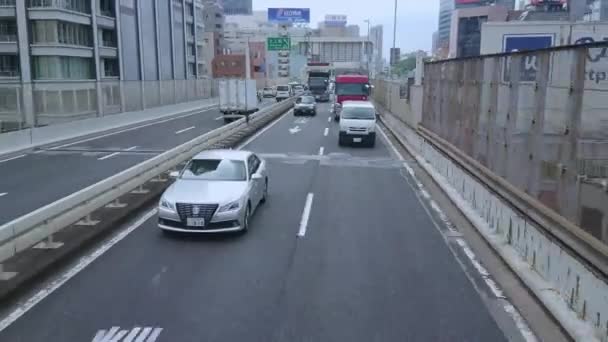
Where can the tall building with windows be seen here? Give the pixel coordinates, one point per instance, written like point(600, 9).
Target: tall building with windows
point(446, 7)
point(66, 40)
point(238, 7)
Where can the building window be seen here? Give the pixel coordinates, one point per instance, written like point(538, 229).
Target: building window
point(191, 50)
point(9, 66)
point(189, 10)
point(82, 6)
point(8, 30)
point(191, 69)
point(110, 67)
point(63, 68)
point(108, 38)
point(106, 8)
point(7, 3)
point(59, 32)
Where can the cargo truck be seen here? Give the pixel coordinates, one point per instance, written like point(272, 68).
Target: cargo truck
point(238, 97)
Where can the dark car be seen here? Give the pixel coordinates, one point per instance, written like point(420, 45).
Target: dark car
point(305, 105)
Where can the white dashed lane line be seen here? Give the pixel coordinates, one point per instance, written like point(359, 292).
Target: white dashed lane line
point(326, 131)
point(2, 194)
point(185, 130)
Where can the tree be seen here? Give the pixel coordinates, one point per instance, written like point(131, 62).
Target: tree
point(405, 66)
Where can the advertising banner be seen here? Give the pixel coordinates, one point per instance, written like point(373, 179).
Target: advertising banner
point(526, 42)
point(289, 15)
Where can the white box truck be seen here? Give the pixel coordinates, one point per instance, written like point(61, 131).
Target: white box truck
point(238, 97)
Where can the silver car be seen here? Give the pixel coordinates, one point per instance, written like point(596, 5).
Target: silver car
point(217, 191)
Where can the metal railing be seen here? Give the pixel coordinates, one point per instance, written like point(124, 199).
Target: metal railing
point(50, 103)
point(70, 5)
point(39, 225)
point(537, 119)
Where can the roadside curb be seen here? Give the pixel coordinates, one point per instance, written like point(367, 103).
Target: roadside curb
point(552, 302)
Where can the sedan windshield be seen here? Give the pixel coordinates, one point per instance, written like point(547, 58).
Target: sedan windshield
point(307, 100)
point(358, 113)
point(215, 169)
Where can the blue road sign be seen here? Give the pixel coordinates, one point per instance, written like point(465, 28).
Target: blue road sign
point(289, 15)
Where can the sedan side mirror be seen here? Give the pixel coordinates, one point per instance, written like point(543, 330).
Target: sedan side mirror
point(174, 174)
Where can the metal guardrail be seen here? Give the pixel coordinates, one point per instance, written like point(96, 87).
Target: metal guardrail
point(28, 230)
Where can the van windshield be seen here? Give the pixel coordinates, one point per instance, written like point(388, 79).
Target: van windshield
point(358, 113)
point(283, 88)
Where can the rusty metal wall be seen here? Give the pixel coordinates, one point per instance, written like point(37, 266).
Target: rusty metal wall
point(539, 120)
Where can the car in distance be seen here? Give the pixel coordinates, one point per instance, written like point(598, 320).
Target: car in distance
point(357, 123)
point(268, 92)
point(298, 90)
point(305, 105)
point(217, 191)
point(283, 92)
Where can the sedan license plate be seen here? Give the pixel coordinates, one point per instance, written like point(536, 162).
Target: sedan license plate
point(195, 222)
point(358, 140)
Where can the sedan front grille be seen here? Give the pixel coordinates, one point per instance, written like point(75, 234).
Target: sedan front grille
point(205, 211)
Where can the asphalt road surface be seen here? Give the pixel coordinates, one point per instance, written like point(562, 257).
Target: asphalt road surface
point(366, 264)
point(38, 178)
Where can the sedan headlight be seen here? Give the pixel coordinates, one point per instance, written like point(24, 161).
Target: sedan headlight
point(229, 207)
point(166, 204)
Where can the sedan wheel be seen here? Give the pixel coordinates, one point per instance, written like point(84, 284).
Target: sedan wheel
point(245, 228)
point(265, 195)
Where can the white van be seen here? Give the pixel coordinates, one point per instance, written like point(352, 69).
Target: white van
point(357, 123)
point(283, 92)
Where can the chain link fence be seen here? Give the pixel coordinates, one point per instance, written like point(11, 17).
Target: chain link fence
point(538, 119)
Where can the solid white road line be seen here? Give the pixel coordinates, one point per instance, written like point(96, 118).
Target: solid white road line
point(269, 126)
point(2, 194)
point(109, 156)
point(321, 150)
point(326, 131)
point(390, 143)
point(13, 158)
point(69, 274)
point(185, 130)
point(131, 148)
point(306, 214)
point(131, 129)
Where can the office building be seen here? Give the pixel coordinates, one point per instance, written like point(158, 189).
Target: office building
point(446, 7)
point(376, 34)
point(465, 33)
point(126, 40)
point(238, 7)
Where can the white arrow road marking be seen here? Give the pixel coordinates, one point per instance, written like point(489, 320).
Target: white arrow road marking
point(115, 334)
point(295, 130)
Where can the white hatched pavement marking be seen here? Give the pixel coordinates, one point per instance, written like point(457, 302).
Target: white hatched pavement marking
point(306, 214)
point(115, 334)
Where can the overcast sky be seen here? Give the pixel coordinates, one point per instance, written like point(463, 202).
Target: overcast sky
point(416, 19)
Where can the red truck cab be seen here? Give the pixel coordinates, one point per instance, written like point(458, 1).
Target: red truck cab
point(350, 88)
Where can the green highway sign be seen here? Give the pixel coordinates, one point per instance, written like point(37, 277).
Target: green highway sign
point(279, 43)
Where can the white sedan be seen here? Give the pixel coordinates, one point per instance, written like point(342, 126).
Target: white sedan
point(217, 191)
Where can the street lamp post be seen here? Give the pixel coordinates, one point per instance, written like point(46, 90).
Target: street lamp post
point(365, 48)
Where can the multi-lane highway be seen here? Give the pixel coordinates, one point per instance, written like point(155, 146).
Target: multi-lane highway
point(364, 262)
point(31, 180)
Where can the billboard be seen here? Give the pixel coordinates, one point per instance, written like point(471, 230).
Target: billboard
point(524, 42)
point(335, 20)
point(289, 15)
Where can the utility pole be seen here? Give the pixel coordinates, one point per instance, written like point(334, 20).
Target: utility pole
point(365, 48)
point(390, 67)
